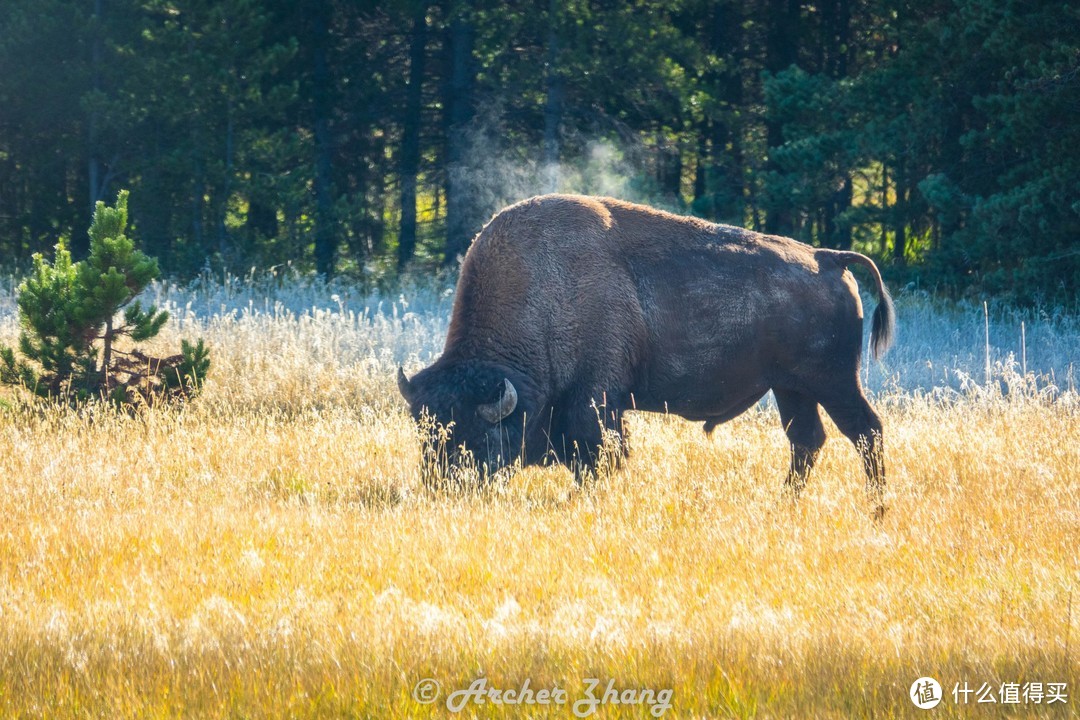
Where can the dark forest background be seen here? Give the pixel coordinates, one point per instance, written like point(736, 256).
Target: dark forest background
point(940, 136)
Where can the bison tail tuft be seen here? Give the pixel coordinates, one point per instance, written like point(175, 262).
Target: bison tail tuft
point(883, 326)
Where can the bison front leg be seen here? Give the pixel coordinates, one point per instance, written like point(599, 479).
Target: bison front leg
point(581, 451)
point(802, 424)
point(591, 437)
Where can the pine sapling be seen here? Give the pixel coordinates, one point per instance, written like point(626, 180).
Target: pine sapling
point(69, 314)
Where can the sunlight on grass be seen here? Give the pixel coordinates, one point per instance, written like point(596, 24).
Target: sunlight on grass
point(270, 551)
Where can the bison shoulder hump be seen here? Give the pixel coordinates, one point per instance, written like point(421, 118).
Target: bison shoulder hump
point(545, 217)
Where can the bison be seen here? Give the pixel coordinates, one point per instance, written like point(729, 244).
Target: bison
point(571, 311)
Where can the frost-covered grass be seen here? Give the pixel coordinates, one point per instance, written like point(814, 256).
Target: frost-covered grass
point(270, 551)
point(337, 329)
point(941, 345)
point(946, 346)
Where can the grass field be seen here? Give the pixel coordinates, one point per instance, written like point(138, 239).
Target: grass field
point(270, 551)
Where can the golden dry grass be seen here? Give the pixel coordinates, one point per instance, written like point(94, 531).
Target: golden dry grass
point(270, 552)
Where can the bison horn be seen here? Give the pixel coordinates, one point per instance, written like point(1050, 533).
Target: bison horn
point(404, 385)
point(502, 407)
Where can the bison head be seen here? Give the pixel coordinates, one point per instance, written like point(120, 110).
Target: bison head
point(476, 407)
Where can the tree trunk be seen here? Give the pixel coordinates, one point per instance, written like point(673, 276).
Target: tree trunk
point(106, 350)
point(155, 218)
point(833, 234)
point(553, 107)
point(325, 236)
point(80, 244)
point(702, 206)
point(782, 45)
point(261, 222)
point(843, 45)
point(224, 246)
point(835, 49)
point(668, 168)
point(410, 137)
point(900, 215)
point(724, 181)
point(197, 193)
point(884, 208)
point(459, 110)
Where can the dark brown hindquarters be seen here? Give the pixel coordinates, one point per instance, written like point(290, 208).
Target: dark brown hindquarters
point(844, 401)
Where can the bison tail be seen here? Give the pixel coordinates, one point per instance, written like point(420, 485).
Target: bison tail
point(883, 326)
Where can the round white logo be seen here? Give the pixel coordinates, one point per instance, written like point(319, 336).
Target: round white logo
point(426, 691)
point(925, 693)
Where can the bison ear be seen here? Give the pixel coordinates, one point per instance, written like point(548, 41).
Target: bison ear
point(404, 385)
point(496, 411)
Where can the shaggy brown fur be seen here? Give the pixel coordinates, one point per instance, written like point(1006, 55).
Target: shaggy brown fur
point(592, 306)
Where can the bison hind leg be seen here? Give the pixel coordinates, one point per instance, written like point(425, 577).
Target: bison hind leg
point(857, 420)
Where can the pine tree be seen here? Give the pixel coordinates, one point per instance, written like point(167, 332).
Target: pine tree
point(69, 312)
